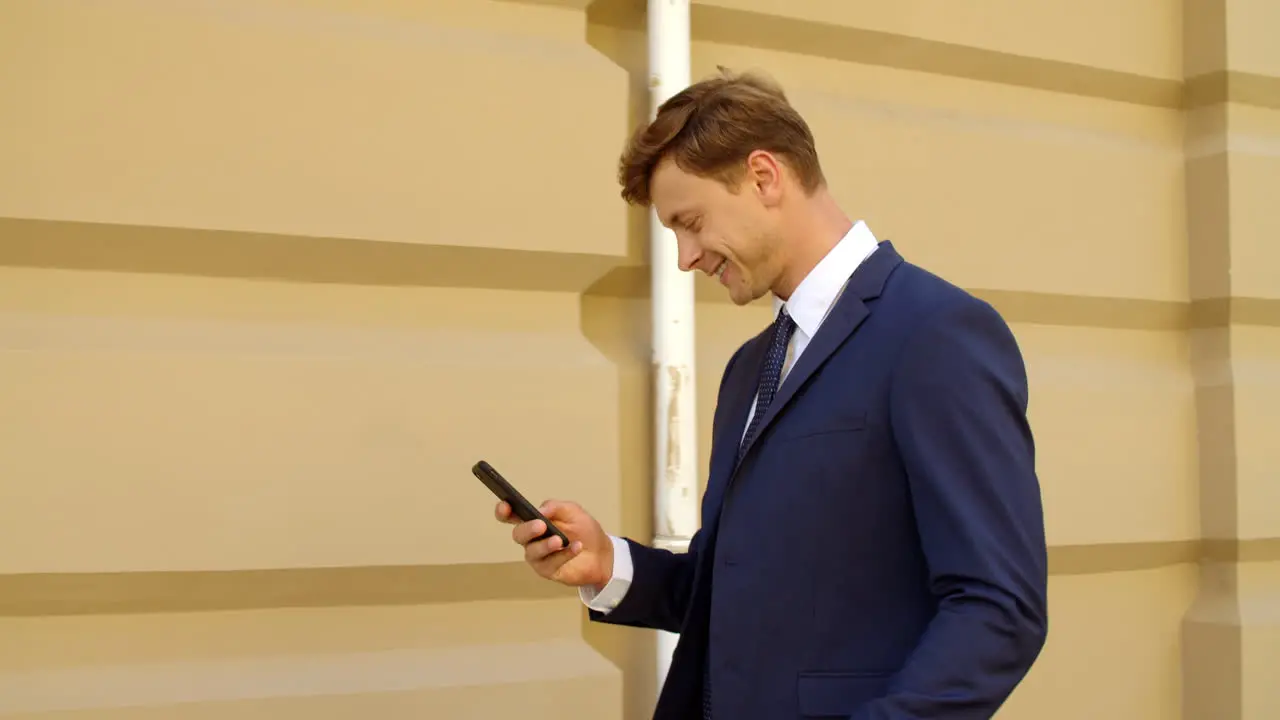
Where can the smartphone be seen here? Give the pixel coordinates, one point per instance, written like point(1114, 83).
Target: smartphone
point(520, 507)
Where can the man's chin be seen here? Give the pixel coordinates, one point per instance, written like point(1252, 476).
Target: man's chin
point(743, 297)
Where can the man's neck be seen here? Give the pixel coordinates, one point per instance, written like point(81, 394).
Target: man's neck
point(819, 227)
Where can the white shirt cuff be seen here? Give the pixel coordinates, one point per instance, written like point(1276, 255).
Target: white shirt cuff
point(616, 589)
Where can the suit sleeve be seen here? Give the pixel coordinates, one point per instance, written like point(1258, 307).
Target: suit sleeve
point(958, 409)
point(662, 581)
point(659, 594)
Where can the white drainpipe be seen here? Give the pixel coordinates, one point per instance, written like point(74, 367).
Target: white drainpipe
point(675, 498)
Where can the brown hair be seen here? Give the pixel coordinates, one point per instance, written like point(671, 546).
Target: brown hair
point(710, 128)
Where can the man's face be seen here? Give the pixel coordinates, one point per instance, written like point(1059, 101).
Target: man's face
point(723, 232)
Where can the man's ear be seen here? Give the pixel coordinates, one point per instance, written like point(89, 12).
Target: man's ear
point(764, 173)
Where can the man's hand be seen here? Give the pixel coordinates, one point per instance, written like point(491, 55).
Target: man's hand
point(587, 561)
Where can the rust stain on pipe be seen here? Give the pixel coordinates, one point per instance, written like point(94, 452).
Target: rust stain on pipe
point(675, 379)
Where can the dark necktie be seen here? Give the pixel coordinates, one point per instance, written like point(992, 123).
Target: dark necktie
point(770, 373)
point(770, 376)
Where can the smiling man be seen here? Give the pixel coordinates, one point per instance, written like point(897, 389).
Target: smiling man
point(872, 541)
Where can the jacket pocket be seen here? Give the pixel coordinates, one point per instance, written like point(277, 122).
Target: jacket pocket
point(838, 694)
point(796, 428)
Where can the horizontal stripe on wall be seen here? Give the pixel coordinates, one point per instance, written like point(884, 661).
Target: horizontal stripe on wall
point(186, 591)
point(63, 245)
point(1241, 88)
point(870, 47)
point(221, 254)
point(178, 591)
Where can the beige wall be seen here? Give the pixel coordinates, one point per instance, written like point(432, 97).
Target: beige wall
point(274, 273)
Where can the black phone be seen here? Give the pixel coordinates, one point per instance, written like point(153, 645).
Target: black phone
point(521, 507)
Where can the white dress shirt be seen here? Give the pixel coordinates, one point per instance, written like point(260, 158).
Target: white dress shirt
point(808, 306)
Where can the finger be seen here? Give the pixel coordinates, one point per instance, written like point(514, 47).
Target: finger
point(559, 509)
point(546, 556)
point(537, 551)
point(524, 533)
point(551, 566)
point(503, 513)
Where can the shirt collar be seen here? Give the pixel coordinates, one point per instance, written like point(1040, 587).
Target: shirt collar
point(815, 295)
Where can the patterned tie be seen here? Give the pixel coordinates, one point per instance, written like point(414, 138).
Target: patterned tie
point(706, 691)
point(770, 376)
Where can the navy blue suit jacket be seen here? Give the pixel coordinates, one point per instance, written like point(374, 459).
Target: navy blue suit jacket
point(879, 552)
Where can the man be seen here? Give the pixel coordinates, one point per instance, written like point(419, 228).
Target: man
point(872, 541)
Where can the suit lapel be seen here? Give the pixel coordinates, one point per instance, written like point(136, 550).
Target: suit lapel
point(724, 445)
point(850, 311)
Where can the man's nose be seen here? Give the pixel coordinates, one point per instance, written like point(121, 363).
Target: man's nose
point(690, 254)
